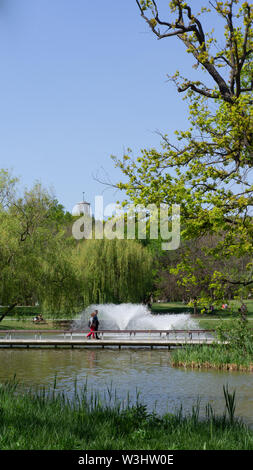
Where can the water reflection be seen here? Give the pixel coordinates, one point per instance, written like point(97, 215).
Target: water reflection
point(147, 371)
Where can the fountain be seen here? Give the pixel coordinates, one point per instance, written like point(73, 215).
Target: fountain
point(134, 317)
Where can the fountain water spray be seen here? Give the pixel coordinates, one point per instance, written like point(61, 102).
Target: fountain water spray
point(134, 317)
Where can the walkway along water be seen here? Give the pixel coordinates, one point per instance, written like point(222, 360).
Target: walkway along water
point(108, 338)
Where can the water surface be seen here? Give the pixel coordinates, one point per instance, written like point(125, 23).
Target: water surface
point(148, 371)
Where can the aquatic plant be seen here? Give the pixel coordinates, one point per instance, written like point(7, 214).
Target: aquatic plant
point(47, 419)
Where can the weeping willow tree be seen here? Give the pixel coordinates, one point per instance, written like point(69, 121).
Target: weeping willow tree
point(114, 271)
point(36, 262)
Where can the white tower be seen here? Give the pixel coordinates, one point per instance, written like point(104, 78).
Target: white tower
point(81, 208)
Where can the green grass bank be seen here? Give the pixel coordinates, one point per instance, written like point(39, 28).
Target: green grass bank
point(179, 307)
point(212, 357)
point(232, 349)
point(40, 420)
point(206, 321)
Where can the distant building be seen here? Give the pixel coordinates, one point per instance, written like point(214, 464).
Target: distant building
point(81, 208)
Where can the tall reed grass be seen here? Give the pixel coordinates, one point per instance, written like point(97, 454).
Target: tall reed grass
point(216, 356)
point(46, 419)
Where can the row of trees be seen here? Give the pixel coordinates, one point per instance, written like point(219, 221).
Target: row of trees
point(173, 284)
point(206, 169)
point(40, 261)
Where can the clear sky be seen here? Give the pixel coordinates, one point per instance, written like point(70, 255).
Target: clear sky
point(81, 80)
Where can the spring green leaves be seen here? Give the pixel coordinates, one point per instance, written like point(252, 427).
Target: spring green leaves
point(206, 169)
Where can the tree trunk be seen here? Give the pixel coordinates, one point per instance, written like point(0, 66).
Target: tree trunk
point(9, 309)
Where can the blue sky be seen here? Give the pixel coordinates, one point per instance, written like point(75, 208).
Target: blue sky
point(81, 80)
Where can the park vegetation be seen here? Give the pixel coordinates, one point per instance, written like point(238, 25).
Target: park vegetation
point(42, 264)
point(48, 420)
point(232, 350)
point(114, 271)
point(205, 169)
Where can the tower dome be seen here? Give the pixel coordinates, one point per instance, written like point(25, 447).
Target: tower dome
point(81, 208)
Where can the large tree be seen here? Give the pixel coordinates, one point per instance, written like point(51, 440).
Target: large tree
point(36, 262)
point(7, 188)
point(114, 271)
point(206, 169)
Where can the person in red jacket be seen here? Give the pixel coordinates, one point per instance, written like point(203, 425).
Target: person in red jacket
point(92, 326)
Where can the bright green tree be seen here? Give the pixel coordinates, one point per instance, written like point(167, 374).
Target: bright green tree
point(36, 256)
point(114, 271)
point(7, 188)
point(206, 169)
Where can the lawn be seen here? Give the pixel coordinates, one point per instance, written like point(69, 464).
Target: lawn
point(205, 321)
point(21, 318)
point(179, 307)
point(15, 323)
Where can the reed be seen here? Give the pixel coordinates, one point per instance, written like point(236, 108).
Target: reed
point(216, 356)
point(46, 419)
point(230, 403)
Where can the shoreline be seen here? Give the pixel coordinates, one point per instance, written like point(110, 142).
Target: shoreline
point(45, 420)
point(208, 365)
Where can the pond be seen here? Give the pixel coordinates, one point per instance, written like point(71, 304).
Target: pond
point(159, 386)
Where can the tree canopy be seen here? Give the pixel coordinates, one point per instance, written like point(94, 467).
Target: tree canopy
point(114, 271)
point(206, 169)
point(41, 262)
point(35, 261)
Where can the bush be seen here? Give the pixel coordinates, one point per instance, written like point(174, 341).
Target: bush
point(237, 334)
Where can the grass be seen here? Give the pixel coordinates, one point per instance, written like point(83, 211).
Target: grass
point(211, 324)
point(43, 420)
point(206, 321)
point(215, 356)
point(14, 323)
point(232, 349)
point(171, 307)
point(22, 317)
point(179, 307)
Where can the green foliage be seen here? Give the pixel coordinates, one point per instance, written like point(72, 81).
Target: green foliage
point(7, 188)
point(217, 356)
point(233, 349)
point(46, 420)
point(114, 271)
point(191, 271)
point(230, 403)
point(207, 171)
point(238, 335)
point(41, 263)
point(36, 263)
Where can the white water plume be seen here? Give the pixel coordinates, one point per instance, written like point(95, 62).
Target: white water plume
point(134, 317)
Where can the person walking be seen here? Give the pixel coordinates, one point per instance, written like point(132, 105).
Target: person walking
point(91, 325)
point(96, 323)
